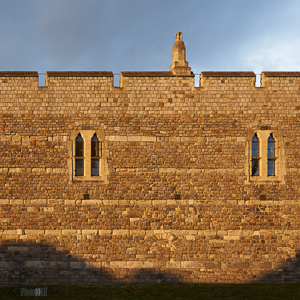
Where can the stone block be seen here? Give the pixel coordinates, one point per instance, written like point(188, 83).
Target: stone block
point(173, 264)
point(148, 139)
point(118, 264)
point(79, 265)
point(39, 264)
point(135, 264)
point(89, 232)
point(34, 232)
point(16, 202)
point(231, 237)
point(69, 232)
point(17, 248)
point(104, 232)
point(191, 264)
point(134, 138)
point(120, 232)
point(52, 232)
point(59, 264)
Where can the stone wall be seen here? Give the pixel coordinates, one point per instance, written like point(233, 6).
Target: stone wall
point(110, 241)
point(178, 204)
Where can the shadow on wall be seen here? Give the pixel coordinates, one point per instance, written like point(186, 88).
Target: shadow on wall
point(34, 264)
point(288, 272)
point(41, 264)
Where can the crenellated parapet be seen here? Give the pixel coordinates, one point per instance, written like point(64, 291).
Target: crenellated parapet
point(209, 80)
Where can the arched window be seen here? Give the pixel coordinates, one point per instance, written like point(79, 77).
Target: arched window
point(95, 155)
point(271, 155)
point(255, 156)
point(79, 156)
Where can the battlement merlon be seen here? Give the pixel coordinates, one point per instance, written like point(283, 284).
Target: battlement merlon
point(219, 80)
point(275, 79)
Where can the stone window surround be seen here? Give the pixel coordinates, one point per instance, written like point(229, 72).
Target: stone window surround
point(280, 169)
point(103, 166)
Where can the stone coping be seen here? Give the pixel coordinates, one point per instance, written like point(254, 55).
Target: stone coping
point(227, 74)
point(19, 74)
point(145, 74)
point(280, 74)
point(152, 74)
point(79, 74)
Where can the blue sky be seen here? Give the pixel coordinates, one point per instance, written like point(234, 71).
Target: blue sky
point(138, 35)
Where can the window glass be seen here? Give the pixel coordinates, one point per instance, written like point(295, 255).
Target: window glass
point(95, 167)
point(271, 146)
point(79, 167)
point(94, 146)
point(255, 146)
point(255, 167)
point(79, 146)
point(271, 167)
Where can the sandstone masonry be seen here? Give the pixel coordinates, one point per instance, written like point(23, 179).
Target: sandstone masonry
point(174, 199)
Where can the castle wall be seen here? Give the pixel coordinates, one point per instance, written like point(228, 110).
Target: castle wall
point(178, 204)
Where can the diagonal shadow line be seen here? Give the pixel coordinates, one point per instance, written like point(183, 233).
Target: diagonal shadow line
point(286, 272)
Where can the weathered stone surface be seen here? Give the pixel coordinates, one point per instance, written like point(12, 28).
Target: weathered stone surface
point(174, 193)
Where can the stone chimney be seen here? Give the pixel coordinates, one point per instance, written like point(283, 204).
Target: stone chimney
point(179, 65)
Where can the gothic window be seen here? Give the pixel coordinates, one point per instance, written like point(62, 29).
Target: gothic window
point(95, 155)
point(265, 156)
point(88, 153)
point(255, 156)
point(271, 156)
point(79, 156)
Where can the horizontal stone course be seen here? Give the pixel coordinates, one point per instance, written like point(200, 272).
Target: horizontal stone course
point(116, 202)
point(227, 235)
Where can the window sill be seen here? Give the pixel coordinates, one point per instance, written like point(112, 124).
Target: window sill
point(85, 178)
point(264, 180)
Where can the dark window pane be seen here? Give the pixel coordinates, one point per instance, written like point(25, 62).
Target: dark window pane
point(79, 167)
point(255, 167)
point(255, 146)
point(255, 151)
point(94, 138)
point(271, 167)
point(94, 146)
point(79, 146)
point(271, 146)
point(95, 167)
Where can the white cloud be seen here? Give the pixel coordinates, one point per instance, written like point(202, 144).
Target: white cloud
point(274, 55)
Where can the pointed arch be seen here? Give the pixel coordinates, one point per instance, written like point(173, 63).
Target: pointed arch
point(95, 155)
point(255, 146)
point(79, 156)
point(271, 155)
point(255, 155)
point(271, 146)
